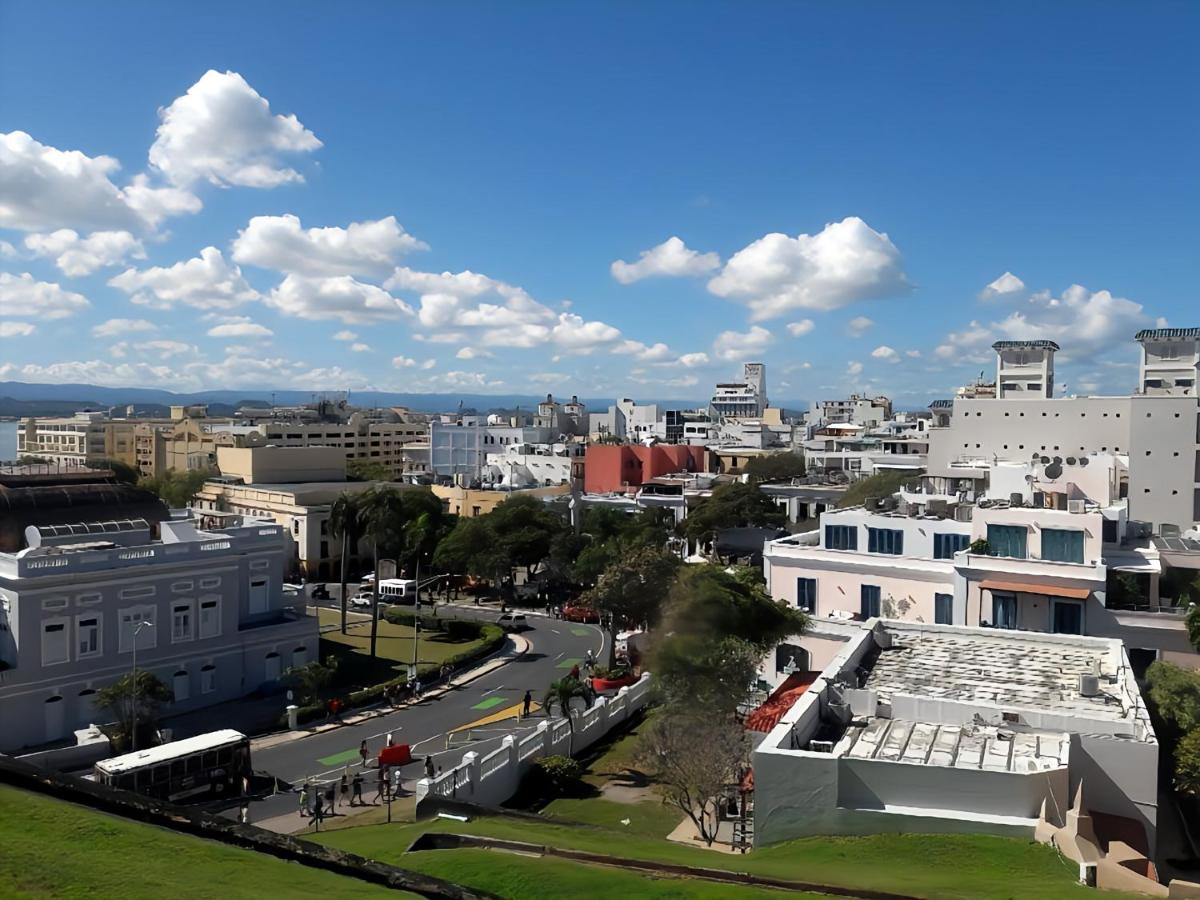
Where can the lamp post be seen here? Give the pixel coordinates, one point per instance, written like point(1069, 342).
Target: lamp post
point(137, 629)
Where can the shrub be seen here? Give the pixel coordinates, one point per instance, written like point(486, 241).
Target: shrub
point(611, 674)
point(980, 547)
point(1187, 764)
point(552, 777)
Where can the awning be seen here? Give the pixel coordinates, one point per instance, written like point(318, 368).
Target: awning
point(792, 689)
point(1024, 587)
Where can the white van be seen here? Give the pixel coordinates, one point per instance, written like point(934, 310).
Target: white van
point(397, 590)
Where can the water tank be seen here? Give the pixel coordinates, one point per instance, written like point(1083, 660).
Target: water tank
point(1089, 684)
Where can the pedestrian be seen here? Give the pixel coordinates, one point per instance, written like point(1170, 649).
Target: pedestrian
point(381, 785)
point(428, 766)
point(417, 689)
point(318, 810)
point(444, 675)
point(331, 798)
point(395, 776)
point(345, 789)
point(388, 740)
point(357, 798)
point(525, 704)
point(574, 673)
point(364, 753)
point(590, 662)
point(244, 814)
point(304, 801)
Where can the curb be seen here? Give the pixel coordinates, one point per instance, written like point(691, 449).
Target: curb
point(515, 646)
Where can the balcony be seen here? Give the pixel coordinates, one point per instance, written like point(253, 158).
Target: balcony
point(1094, 573)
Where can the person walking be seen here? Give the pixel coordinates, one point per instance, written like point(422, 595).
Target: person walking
point(357, 798)
point(395, 776)
point(526, 701)
point(428, 766)
point(590, 662)
point(364, 753)
point(304, 789)
point(318, 809)
point(381, 785)
point(345, 788)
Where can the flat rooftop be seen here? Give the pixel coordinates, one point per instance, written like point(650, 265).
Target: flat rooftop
point(1001, 671)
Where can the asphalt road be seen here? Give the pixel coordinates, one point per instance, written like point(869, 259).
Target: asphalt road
point(555, 646)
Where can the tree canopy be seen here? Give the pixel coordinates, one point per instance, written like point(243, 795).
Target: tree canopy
point(733, 505)
point(367, 470)
point(775, 467)
point(118, 698)
point(634, 586)
point(122, 471)
point(177, 489)
point(521, 531)
point(881, 484)
point(1175, 693)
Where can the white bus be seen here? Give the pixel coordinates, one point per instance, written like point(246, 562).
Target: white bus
point(397, 590)
point(213, 763)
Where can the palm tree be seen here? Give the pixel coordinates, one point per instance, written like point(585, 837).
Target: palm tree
point(382, 521)
point(561, 694)
point(346, 522)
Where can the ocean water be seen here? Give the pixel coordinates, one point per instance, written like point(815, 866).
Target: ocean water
point(8, 441)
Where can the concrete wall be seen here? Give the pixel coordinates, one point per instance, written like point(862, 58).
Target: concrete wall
point(282, 465)
point(1119, 777)
point(491, 779)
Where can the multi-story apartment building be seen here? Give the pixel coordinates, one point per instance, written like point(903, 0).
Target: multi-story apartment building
point(72, 440)
point(363, 437)
point(535, 465)
point(745, 399)
point(459, 445)
point(868, 412)
point(856, 452)
point(206, 608)
point(189, 443)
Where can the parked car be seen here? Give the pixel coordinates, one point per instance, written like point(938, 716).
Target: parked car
point(581, 614)
point(363, 599)
point(512, 622)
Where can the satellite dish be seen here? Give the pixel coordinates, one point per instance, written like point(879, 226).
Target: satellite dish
point(1044, 460)
point(1083, 461)
point(1058, 460)
point(1070, 460)
point(1053, 471)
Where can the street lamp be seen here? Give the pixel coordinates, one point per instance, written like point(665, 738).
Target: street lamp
point(137, 629)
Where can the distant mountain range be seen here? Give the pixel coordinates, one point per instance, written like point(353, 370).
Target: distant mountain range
point(20, 399)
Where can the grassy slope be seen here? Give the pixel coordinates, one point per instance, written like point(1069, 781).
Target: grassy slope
point(49, 848)
point(394, 642)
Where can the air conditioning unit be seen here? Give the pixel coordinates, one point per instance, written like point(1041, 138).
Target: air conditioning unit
point(1089, 685)
point(1076, 506)
point(820, 746)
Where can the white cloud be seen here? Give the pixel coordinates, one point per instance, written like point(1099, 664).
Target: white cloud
point(223, 132)
point(656, 353)
point(693, 360)
point(346, 335)
point(886, 353)
point(738, 346)
point(672, 257)
point(845, 263)
point(206, 281)
point(855, 368)
point(7, 250)
point(801, 328)
point(361, 248)
point(16, 329)
point(76, 256)
point(166, 349)
point(360, 348)
point(472, 353)
point(240, 327)
point(574, 333)
point(404, 362)
point(155, 203)
point(858, 326)
point(24, 296)
point(122, 327)
point(913, 354)
point(1006, 287)
point(340, 297)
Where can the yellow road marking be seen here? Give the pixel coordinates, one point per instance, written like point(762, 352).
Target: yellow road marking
point(510, 712)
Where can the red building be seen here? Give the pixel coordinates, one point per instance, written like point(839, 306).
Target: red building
point(615, 467)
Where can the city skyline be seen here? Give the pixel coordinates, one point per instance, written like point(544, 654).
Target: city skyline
point(412, 215)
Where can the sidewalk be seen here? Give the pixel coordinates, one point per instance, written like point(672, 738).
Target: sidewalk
point(403, 808)
point(515, 646)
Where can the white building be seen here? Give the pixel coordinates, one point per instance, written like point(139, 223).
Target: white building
point(534, 465)
point(928, 728)
point(745, 399)
point(459, 445)
point(868, 412)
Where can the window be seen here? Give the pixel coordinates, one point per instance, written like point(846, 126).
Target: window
point(1061, 545)
point(260, 597)
point(1004, 610)
point(208, 679)
point(210, 617)
point(841, 537)
point(885, 540)
point(943, 609)
point(946, 545)
point(1067, 617)
point(132, 617)
point(181, 621)
point(806, 594)
point(55, 646)
point(870, 601)
point(181, 685)
point(87, 636)
point(1007, 540)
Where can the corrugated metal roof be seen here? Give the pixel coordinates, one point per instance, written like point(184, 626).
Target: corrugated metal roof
point(1025, 345)
point(1166, 334)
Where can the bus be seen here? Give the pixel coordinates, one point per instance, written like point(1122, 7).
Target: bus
point(208, 764)
point(397, 590)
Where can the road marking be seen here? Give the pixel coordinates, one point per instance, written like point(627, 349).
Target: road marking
point(580, 632)
point(338, 759)
point(560, 656)
point(556, 631)
point(493, 690)
point(568, 663)
point(488, 703)
point(499, 715)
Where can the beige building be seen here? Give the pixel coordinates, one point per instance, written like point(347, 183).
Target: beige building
point(72, 440)
point(362, 437)
point(189, 443)
point(460, 501)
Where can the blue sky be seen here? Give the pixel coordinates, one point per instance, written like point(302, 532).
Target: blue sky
point(843, 183)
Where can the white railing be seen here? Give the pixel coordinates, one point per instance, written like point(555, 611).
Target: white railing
point(491, 780)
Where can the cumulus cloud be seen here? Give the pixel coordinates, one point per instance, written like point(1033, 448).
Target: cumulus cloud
point(204, 282)
point(240, 327)
point(25, 297)
point(345, 335)
point(1006, 287)
point(693, 360)
point(472, 353)
point(886, 353)
point(76, 256)
point(858, 326)
point(801, 328)
point(341, 297)
point(16, 329)
point(855, 368)
point(913, 354)
point(644, 353)
point(670, 258)
point(738, 346)
point(223, 132)
point(360, 348)
point(122, 328)
point(845, 263)
point(574, 333)
point(361, 248)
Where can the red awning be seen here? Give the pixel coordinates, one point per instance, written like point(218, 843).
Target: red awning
point(792, 689)
point(1025, 587)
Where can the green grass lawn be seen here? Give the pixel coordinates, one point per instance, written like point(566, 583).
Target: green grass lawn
point(393, 642)
point(49, 848)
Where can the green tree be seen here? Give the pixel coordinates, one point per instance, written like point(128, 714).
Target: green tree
point(1187, 764)
point(1175, 693)
point(775, 467)
point(346, 522)
point(176, 489)
point(310, 680)
point(525, 528)
point(134, 698)
point(633, 588)
point(1193, 625)
point(367, 470)
point(882, 484)
point(383, 523)
point(123, 472)
point(469, 549)
point(563, 693)
point(733, 505)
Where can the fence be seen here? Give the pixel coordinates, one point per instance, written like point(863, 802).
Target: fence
point(492, 779)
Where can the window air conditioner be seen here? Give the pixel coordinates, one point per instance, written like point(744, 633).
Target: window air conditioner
point(1076, 506)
